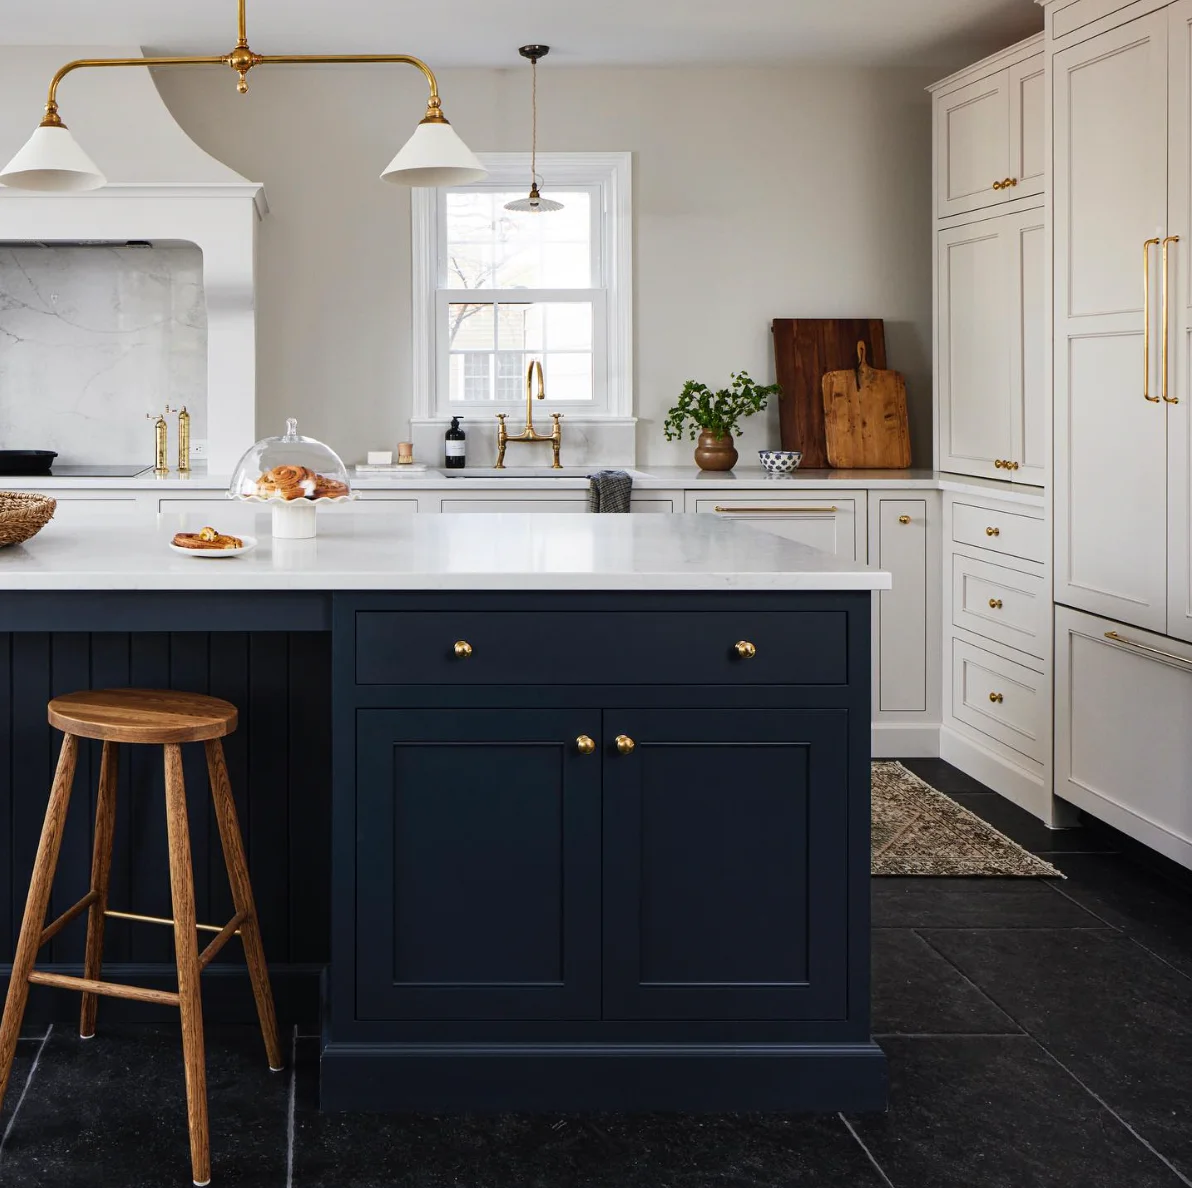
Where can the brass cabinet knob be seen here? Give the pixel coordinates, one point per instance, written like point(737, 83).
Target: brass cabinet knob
point(995, 604)
point(993, 532)
point(997, 185)
point(1011, 465)
point(625, 744)
point(745, 649)
point(904, 519)
point(998, 463)
point(996, 698)
point(585, 745)
point(462, 649)
point(1009, 183)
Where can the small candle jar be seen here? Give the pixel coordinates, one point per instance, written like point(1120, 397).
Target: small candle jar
point(405, 453)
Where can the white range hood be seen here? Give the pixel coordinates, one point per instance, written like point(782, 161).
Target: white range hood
point(162, 188)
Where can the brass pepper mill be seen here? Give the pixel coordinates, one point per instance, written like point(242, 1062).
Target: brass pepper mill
point(183, 441)
point(160, 434)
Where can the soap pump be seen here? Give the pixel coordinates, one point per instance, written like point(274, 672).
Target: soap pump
point(455, 446)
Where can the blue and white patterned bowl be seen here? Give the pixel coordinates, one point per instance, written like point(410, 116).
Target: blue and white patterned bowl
point(780, 461)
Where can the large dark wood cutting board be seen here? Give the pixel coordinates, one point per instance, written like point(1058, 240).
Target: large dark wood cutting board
point(805, 350)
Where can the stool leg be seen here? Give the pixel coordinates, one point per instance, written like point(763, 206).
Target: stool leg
point(186, 949)
point(36, 906)
point(250, 929)
point(101, 869)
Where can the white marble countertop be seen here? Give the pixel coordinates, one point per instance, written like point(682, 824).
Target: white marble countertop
point(528, 551)
point(658, 478)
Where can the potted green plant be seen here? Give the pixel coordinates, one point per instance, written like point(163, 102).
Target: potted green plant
point(715, 417)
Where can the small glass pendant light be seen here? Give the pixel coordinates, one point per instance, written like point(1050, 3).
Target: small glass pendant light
point(535, 203)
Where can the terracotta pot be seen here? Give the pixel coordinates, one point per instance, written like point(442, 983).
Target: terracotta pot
point(715, 453)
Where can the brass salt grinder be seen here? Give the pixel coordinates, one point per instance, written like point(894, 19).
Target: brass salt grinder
point(161, 466)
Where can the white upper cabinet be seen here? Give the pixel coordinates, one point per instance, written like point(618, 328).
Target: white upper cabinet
point(990, 139)
point(991, 343)
point(1110, 199)
point(1027, 86)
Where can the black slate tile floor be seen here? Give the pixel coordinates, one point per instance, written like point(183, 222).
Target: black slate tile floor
point(1039, 1035)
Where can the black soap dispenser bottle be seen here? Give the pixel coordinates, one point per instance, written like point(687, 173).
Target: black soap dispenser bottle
point(455, 448)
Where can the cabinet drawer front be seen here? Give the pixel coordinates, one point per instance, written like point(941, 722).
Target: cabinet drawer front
point(999, 698)
point(557, 647)
point(1123, 748)
point(1000, 603)
point(1004, 532)
point(822, 520)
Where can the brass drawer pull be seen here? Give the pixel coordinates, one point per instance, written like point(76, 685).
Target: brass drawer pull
point(585, 745)
point(625, 744)
point(462, 649)
point(993, 532)
point(1130, 643)
point(995, 604)
point(996, 698)
point(753, 511)
point(745, 649)
point(904, 519)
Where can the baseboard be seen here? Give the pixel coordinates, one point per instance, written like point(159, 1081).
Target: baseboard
point(227, 994)
point(580, 1077)
point(1028, 791)
point(906, 740)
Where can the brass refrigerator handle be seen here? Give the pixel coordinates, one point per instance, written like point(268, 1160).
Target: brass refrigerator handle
point(1113, 637)
point(1146, 320)
point(1166, 294)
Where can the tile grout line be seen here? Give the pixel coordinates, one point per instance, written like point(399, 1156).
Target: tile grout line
point(988, 997)
point(1183, 1179)
point(28, 1081)
point(290, 1108)
point(1133, 940)
point(877, 1167)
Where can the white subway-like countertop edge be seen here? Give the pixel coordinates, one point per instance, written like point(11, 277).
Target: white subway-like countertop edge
point(520, 551)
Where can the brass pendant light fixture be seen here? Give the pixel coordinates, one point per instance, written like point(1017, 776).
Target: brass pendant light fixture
point(535, 203)
point(52, 160)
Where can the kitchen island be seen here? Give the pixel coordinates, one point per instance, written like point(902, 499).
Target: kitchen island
point(596, 791)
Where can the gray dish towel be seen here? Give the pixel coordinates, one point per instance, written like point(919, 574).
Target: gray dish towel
point(609, 491)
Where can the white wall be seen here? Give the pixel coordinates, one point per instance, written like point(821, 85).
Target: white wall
point(758, 193)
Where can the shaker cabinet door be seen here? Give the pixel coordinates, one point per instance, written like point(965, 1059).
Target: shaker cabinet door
point(973, 145)
point(1110, 183)
point(716, 904)
point(478, 864)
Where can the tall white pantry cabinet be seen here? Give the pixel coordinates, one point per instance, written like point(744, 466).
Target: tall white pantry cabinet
point(992, 421)
point(1121, 84)
point(1064, 368)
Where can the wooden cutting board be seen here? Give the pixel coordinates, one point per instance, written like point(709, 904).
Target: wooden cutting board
point(865, 422)
point(804, 350)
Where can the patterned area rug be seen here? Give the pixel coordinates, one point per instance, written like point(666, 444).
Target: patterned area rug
point(919, 831)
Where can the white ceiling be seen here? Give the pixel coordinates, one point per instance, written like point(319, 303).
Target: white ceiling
point(938, 33)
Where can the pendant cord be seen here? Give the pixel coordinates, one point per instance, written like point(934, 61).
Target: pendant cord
point(534, 125)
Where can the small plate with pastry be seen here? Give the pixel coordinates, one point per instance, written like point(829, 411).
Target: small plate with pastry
point(209, 543)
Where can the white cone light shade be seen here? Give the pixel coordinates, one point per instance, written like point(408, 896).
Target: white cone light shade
point(434, 156)
point(52, 161)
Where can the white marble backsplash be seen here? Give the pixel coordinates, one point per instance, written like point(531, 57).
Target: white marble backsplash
point(94, 338)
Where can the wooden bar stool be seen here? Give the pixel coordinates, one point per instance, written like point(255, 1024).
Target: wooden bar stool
point(166, 719)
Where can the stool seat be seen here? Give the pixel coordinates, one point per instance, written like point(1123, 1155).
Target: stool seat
point(143, 716)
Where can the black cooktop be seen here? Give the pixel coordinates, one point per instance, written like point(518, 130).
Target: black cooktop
point(83, 470)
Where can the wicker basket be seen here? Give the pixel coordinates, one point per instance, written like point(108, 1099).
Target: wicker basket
point(23, 516)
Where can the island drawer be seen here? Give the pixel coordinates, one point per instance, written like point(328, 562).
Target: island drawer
point(576, 648)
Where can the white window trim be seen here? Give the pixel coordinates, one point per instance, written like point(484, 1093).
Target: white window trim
point(612, 173)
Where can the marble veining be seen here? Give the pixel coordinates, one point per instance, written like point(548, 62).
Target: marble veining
point(94, 338)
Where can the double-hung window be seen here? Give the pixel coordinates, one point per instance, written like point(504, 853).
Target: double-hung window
point(496, 290)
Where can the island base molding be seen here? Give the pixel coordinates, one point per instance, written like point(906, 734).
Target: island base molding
point(632, 1077)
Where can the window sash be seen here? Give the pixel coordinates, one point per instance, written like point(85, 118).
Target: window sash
point(597, 298)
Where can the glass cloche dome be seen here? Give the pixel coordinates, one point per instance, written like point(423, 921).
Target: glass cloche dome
point(290, 467)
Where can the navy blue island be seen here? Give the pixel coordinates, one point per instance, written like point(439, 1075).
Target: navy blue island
point(569, 812)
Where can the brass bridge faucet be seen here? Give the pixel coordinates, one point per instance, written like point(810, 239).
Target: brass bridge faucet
point(529, 433)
